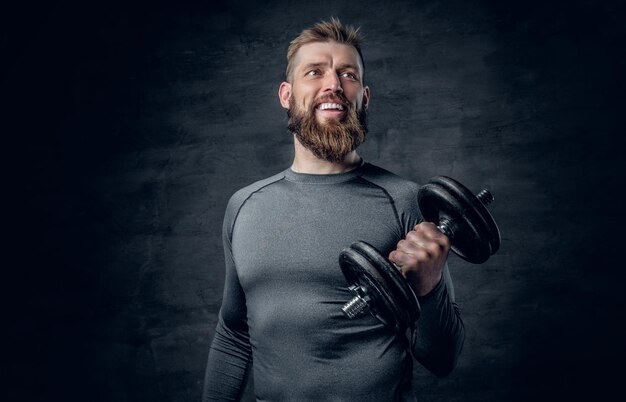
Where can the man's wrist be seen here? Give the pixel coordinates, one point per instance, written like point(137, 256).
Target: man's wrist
point(426, 294)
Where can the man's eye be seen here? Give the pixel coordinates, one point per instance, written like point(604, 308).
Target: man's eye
point(349, 75)
point(312, 72)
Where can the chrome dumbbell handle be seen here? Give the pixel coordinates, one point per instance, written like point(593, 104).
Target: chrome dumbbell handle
point(358, 303)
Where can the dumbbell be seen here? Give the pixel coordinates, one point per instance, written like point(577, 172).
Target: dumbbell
point(379, 287)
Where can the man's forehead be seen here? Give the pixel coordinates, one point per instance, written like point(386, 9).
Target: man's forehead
point(328, 53)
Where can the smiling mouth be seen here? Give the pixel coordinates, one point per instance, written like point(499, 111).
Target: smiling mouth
point(331, 109)
point(330, 106)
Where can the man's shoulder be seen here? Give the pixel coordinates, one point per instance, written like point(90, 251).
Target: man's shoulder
point(396, 186)
point(241, 195)
point(401, 191)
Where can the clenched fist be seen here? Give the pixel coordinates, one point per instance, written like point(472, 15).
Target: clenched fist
point(421, 256)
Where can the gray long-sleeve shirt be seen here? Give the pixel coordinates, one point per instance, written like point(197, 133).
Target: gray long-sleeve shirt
point(284, 291)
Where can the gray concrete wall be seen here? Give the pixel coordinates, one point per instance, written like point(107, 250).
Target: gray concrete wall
point(129, 127)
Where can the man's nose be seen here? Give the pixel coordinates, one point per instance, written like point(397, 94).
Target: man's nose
point(332, 83)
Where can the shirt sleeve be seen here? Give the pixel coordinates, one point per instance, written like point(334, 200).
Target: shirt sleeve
point(230, 353)
point(438, 335)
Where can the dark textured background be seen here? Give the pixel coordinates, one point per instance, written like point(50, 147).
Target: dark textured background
point(127, 128)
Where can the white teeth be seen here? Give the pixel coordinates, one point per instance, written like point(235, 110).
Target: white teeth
point(325, 106)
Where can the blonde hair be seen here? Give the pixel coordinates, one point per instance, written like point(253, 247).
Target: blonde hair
point(324, 31)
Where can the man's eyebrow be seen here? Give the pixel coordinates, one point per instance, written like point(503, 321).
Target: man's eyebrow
point(347, 65)
point(341, 66)
point(310, 65)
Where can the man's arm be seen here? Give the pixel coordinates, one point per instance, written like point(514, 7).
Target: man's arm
point(230, 354)
point(438, 336)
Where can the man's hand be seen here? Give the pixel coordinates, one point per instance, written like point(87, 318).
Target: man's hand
point(421, 257)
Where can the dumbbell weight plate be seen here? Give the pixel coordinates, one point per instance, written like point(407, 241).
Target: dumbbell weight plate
point(476, 235)
point(472, 204)
point(359, 271)
point(399, 286)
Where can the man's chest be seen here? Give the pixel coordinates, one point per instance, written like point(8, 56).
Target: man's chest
point(299, 236)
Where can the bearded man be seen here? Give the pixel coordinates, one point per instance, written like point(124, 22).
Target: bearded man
point(281, 309)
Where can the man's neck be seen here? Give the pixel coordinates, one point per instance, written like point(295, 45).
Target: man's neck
point(306, 162)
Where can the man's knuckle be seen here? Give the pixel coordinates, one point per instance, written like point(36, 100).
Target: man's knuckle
point(434, 247)
point(422, 255)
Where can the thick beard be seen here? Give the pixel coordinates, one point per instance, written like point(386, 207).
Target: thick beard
point(333, 139)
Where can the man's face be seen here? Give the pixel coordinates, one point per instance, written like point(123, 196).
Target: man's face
point(326, 99)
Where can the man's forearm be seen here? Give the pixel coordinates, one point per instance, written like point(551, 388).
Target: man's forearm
point(228, 365)
point(439, 334)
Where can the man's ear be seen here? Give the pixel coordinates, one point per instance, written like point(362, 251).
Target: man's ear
point(284, 94)
point(366, 97)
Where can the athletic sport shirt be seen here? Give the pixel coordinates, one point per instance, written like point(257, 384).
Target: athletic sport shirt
point(281, 309)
